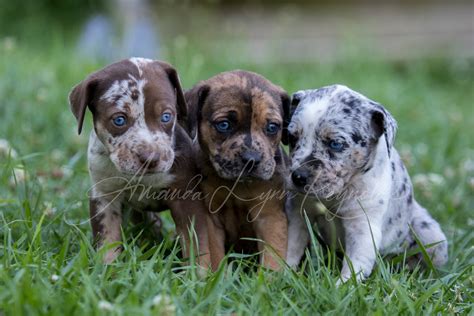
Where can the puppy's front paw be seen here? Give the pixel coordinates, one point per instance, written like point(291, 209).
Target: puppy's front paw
point(293, 262)
point(346, 277)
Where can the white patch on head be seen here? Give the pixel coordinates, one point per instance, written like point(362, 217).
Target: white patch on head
point(118, 88)
point(121, 91)
point(304, 124)
point(140, 62)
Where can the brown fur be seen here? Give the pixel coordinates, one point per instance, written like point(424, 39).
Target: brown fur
point(252, 207)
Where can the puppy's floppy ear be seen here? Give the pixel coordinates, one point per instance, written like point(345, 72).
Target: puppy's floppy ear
point(181, 106)
point(383, 123)
point(286, 104)
point(80, 97)
point(195, 98)
point(295, 100)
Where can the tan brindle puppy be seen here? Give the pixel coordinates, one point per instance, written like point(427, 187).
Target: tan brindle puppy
point(239, 118)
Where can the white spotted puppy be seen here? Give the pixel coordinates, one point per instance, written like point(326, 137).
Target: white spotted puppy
point(343, 162)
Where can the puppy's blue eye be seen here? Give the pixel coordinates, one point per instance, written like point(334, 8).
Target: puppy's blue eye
point(272, 128)
point(223, 126)
point(166, 117)
point(120, 121)
point(336, 146)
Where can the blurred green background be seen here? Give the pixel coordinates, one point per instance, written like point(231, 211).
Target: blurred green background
point(415, 57)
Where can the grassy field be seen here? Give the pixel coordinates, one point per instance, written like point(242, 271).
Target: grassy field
point(47, 263)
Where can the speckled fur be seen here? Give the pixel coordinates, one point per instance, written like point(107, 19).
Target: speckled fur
point(133, 164)
point(365, 187)
point(240, 199)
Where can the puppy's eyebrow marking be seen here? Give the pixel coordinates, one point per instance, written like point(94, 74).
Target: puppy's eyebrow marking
point(128, 91)
point(116, 88)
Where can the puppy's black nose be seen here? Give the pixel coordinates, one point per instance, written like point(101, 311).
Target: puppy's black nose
point(149, 159)
point(300, 177)
point(251, 159)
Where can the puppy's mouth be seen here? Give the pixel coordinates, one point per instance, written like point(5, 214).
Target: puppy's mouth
point(241, 174)
point(142, 171)
point(249, 171)
point(146, 168)
point(304, 183)
point(321, 194)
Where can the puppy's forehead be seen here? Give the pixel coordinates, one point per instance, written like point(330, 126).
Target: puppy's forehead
point(242, 89)
point(129, 78)
point(316, 105)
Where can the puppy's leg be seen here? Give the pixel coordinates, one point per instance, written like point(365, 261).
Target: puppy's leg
point(106, 221)
point(363, 237)
point(298, 237)
point(429, 232)
point(186, 213)
point(216, 235)
point(271, 227)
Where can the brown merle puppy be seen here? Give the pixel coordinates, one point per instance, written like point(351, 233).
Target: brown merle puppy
point(138, 154)
point(239, 118)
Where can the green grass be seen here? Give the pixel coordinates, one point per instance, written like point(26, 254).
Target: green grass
point(47, 263)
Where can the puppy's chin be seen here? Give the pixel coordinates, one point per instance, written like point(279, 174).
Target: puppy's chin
point(314, 191)
point(138, 170)
point(239, 174)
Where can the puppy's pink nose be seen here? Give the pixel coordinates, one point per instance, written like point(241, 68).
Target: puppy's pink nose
point(149, 159)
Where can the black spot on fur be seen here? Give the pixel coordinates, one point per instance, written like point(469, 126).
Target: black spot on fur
point(352, 102)
point(425, 225)
point(410, 198)
point(399, 233)
point(390, 221)
point(402, 189)
point(381, 202)
point(393, 166)
point(346, 110)
point(314, 163)
point(356, 137)
point(399, 215)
